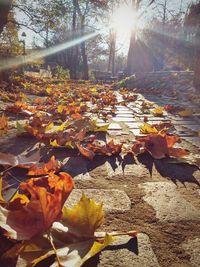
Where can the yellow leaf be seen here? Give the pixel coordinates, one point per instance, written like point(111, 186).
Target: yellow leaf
point(49, 127)
point(23, 198)
point(54, 143)
point(186, 113)
point(93, 90)
point(147, 129)
point(158, 111)
point(84, 218)
point(60, 128)
point(60, 108)
point(97, 247)
point(49, 90)
point(102, 128)
point(2, 200)
point(69, 145)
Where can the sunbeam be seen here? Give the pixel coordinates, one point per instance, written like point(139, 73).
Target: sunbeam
point(14, 62)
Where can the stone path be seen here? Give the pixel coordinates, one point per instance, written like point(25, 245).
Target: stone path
point(158, 198)
point(163, 202)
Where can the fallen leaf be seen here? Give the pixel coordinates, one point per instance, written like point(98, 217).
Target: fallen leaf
point(85, 152)
point(160, 145)
point(147, 129)
point(44, 168)
point(84, 218)
point(158, 111)
point(186, 113)
point(35, 211)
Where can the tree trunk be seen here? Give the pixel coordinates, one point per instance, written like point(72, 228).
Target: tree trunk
point(85, 62)
point(130, 59)
point(5, 7)
point(83, 53)
point(74, 50)
point(196, 80)
point(112, 52)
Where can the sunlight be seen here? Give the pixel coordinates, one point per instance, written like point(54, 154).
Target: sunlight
point(21, 60)
point(123, 21)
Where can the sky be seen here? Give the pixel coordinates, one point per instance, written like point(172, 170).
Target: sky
point(122, 25)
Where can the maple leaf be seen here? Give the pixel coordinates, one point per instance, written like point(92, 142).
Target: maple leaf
point(158, 111)
point(160, 145)
point(85, 152)
point(44, 168)
point(74, 239)
point(147, 129)
point(33, 212)
point(84, 218)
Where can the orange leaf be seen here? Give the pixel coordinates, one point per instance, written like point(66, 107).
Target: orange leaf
point(44, 168)
point(25, 219)
point(178, 152)
point(85, 152)
point(160, 145)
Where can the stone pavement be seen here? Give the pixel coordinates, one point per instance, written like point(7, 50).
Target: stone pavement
point(159, 199)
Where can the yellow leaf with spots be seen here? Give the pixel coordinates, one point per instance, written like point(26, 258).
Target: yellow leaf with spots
point(147, 129)
point(158, 111)
point(84, 218)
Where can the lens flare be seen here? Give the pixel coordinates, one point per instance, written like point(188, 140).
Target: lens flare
point(14, 62)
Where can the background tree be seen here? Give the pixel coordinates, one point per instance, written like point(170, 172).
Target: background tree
point(192, 21)
point(5, 6)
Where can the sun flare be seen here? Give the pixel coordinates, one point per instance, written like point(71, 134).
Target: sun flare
point(123, 20)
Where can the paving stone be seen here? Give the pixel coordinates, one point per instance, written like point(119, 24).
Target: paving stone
point(158, 119)
point(82, 177)
point(120, 108)
point(180, 118)
point(181, 131)
point(134, 125)
point(136, 132)
point(119, 115)
point(192, 247)
point(124, 112)
point(113, 200)
point(122, 119)
point(168, 203)
point(193, 140)
point(114, 126)
point(195, 128)
point(129, 252)
point(137, 110)
point(183, 122)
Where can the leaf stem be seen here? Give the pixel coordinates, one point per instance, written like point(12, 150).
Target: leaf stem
point(54, 248)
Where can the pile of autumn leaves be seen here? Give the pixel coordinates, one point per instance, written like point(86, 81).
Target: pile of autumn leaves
point(40, 227)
